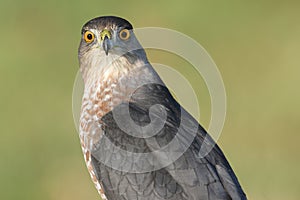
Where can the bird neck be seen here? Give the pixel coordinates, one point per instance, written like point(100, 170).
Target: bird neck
point(110, 83)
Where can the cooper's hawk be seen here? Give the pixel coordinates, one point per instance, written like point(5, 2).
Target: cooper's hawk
point(138, 142)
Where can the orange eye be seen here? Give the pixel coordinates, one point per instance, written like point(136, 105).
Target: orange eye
point(89, 36)
point(124, 34)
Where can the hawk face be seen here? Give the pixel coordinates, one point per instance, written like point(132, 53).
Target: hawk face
point(108, 41)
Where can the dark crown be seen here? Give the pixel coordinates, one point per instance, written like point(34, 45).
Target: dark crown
point(106, 21)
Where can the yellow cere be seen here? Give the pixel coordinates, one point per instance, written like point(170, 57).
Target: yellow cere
point(104, 33)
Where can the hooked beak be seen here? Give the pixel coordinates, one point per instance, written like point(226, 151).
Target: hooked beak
point(106, 43)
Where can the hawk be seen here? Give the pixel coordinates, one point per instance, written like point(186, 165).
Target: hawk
point(138, 141)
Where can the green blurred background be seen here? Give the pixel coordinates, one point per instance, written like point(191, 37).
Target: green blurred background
point(255, 44)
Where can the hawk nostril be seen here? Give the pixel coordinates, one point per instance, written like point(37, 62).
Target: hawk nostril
point(105, 33)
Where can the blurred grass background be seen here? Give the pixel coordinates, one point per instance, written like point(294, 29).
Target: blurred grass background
point(255, 44)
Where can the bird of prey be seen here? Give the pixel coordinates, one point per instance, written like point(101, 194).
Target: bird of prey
point(138, 141)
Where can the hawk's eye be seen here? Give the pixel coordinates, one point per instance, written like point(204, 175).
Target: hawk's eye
point(124, 34)
point(89, 36)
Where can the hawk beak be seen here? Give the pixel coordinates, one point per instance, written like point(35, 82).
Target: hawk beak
point(106, 45)
point(105, 37)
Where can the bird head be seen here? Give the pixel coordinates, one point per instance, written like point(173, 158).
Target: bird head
point(110, 39)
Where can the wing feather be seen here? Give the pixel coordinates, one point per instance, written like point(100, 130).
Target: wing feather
point(190, 176)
